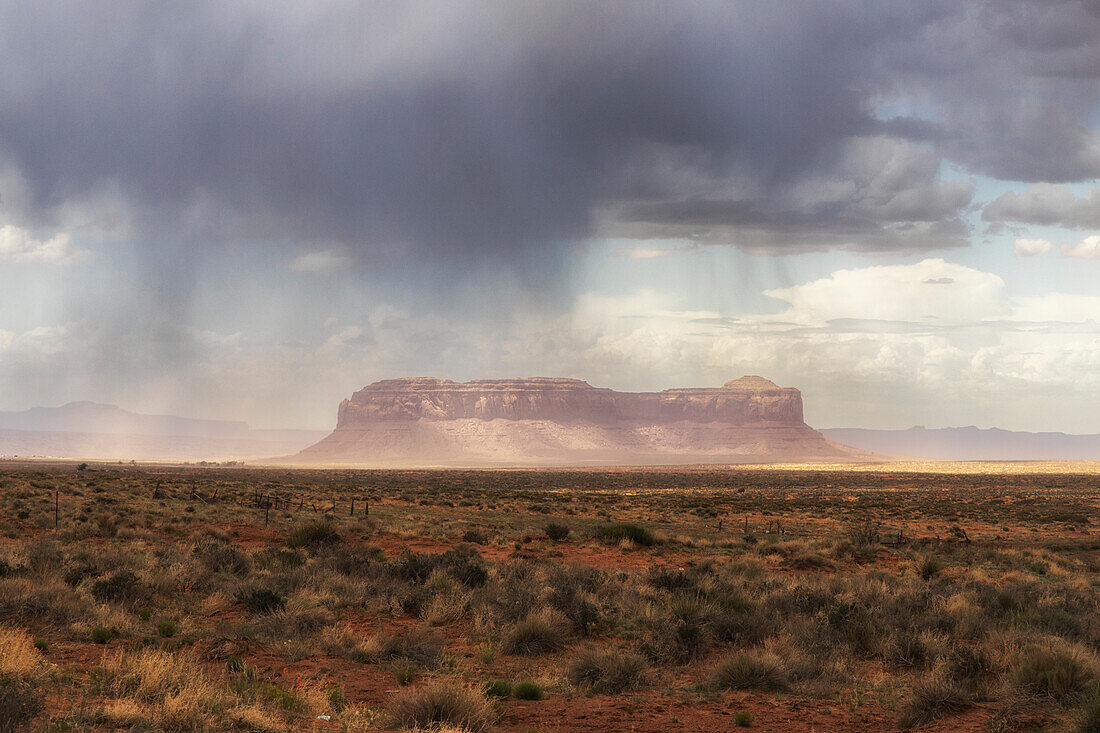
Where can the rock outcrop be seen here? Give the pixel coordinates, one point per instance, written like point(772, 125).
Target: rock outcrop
point(550, 421)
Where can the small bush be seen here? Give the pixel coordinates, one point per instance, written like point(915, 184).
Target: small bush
point(929, 567)
point(312, 535)
point(415, 645)
point(1088, 713)
point(864, 535)
point(536, 634)
point(527, 690)
point(907, 649)
point(222, 557)
point(337, 700)
point(119, 587)
point(1059, 674)
point(167, 629)
point(20, 701)
point(475, 537)
point(606, 672)
point(102, 635)
point(743, 719)
point(262, 600)
point(557, 532)
point(749, 671)
point(440, 704)
point(618, 532)
point(498, 688)
point(568, 597)
point(42, 645)
point(969, 664)
point(932, 697)
point(404, 672)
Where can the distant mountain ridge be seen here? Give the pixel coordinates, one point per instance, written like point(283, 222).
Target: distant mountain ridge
point(94, 417)
point(99, 431)
point(970, 443)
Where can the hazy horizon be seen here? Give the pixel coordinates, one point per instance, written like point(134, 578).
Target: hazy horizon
point(245, 212)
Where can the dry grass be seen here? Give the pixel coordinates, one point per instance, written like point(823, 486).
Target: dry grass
point(835, 606)
point(439, 704)
point(18, 657)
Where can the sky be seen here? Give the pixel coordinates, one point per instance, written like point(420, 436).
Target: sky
point(249, 211)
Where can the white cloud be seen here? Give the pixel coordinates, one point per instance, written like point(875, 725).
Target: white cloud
point(650, 253)
point(327, 260)
point(986, 358)
point(1031, 247)
point(643, 253)
point(1087, 249)
point(18, 245)
point(929, 291)
point(1057, 308)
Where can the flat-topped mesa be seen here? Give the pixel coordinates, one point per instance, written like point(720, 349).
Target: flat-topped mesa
point(745, 401)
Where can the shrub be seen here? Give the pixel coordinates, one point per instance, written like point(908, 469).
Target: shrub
point(864, 535)
point(749, 671)
point(475, 537)
point(568, 597)
point(929, 567)
point(743, 719)
point(18, 656)
point(337, 700)
point(415, 645)
point(498, 688)
point(557, 532)
point(312, 535)
point(907, 649)
point(931, 698)
point(969, 664)
point(440, 704)
point(1059, 674)
point(618, 532)
point(606, 672)
point(404, 672)
point(527, 690)
point(20, 701)
point(538, 633)
point(102, 635)
point(462, 563)
point(1088, 713)
point(262, 600)
point(119, 587)
point(222, 557)
point(675, 641)
point(167, 629)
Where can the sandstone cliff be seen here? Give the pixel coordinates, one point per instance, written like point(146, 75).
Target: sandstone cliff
point(425, 421)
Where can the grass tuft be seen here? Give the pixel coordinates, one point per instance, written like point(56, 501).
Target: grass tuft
point(607, 672)
point(440, 704)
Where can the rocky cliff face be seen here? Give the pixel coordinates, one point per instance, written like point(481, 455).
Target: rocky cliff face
point(543, 420)
point(746, 401)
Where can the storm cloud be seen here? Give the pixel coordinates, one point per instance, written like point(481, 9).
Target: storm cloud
point(474, 133)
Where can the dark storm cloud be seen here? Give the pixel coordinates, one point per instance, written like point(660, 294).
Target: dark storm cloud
point(1048, 205)
point(477, 134)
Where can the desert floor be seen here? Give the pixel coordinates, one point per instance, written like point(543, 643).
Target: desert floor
point(784, 598)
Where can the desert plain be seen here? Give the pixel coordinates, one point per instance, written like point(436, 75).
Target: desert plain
point(811, 597)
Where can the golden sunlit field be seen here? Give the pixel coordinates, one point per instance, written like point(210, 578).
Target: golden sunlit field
point(828, 598)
